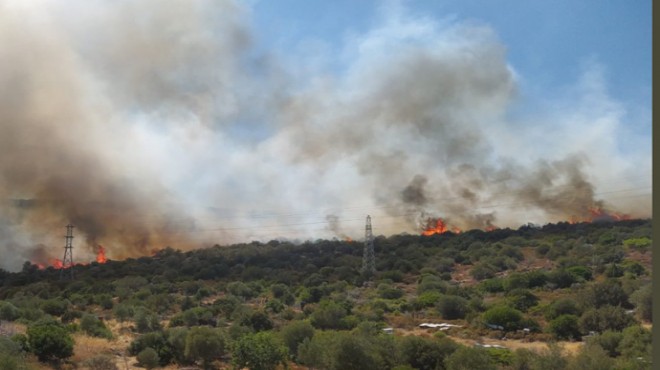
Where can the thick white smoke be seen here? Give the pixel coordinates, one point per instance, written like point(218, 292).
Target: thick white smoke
point(159, 123)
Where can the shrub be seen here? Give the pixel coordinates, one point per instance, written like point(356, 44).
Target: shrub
point(8, 311)
point(643, 300)
point(100, 362)
point(608, 292)
point(504, 316)
point(636, 343)
point(259, 351)
point(605, 318)
point(581, 273)
point(522, 299)
point(155, 341)
point(205, 344)
point(591, 357)
point(148, 358)
point(387, 291)
point(565, 327)
point(428, 299)
point(452, 307)
point(561, 278)
point(493, 285)
point(55, 307)
point(562, 306)
point(427, 354)
point(240, 289)
point(466, 358)
point(431, 283)
point(50, 341)
point(609, 341)
point(94, 327)
point(295, 333)
point(328, 315)
point(482, 271)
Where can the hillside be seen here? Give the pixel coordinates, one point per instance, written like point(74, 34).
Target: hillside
point(585, 286)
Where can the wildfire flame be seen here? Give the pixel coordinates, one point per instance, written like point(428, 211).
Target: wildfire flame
point(599, 214)
point(57, 263)
point(100, 255)
point(433, 227)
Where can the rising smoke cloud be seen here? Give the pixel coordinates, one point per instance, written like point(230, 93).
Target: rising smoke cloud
point(154, 123)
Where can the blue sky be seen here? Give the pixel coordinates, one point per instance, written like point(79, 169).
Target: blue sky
point(547, 41)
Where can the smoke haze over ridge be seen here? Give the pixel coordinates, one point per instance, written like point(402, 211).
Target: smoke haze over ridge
point(154, 123)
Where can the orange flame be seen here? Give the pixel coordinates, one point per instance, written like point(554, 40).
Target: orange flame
point(100, 255)
point(599, 214)
point(57, 263)
point(433, 227)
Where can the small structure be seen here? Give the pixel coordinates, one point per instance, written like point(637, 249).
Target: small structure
point(481, 345)
point(440, 326)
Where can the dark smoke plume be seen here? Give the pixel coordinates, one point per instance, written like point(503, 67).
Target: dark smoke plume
point(155, 123)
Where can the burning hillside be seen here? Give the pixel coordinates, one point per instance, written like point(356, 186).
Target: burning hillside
point(58, 264)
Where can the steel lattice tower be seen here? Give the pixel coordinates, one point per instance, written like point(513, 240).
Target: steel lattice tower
point(67, 261)
point(368, 258)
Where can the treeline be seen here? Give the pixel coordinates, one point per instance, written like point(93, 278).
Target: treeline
point(258, 305)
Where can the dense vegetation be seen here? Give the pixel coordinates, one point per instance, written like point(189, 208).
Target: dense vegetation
point(264, 305)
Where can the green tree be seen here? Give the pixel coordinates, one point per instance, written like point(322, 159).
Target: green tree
point(50, 341)
point(94, 327)
point(467, 358)
point(562, 306)
point(146, 321)
point(426, 354)
point(641, 244)
point(319, 351)
point(55, 307)
point(295, 333)
point(8, 311)
point(148, 358)
point(452, 307)
point(504, 316)
point(482, 271)
point(155, 341)
point(354, 352)
point(240, 289)
point(328, 315)
point(205, 344)
point(550, 359)
point(590, 357)
point(561, 278)
point(608, 292)
point(609, 341)
point(176, 340)
point(123, 312)
point(11, 355)
point(522, 299)
point(636, 343)
point(643, 300)
point(258, 321)
point(605, 318)
point(260, 351)
point(565, 327)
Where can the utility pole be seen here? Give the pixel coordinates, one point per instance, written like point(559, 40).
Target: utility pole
point(67, 261)
point(368, 258)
